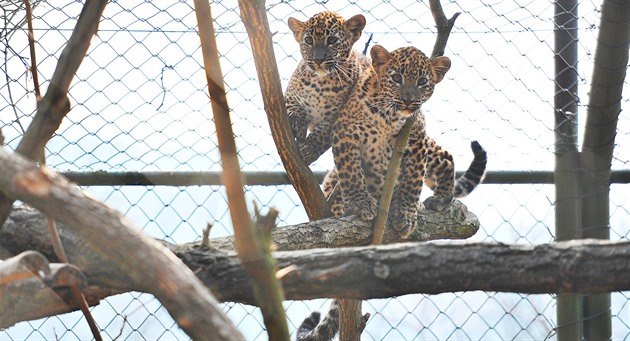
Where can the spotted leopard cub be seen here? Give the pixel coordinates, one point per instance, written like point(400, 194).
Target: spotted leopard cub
point(388, 94)
point(323, 79)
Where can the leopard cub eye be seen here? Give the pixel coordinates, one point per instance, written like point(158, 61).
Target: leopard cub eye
point(332, 40)
point(308, 40)
point(422, 81)
point(397, 78)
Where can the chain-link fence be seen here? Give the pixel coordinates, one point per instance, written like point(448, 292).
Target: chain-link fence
point(140, 103)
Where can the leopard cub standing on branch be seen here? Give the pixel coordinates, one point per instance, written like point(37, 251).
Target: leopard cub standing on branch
point(323, 79)
point(388, 94)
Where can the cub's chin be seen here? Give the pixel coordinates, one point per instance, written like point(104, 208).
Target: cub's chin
point(319, 70)
point(407, 111)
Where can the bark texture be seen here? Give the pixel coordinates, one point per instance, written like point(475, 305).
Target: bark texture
point(584, 266)
point(143, 261)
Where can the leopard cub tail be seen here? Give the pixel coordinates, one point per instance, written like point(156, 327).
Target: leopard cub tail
point(311, 329)
point(474, 174)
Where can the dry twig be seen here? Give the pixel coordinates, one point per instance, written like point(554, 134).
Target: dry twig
point(255, 257)
point(52, 229)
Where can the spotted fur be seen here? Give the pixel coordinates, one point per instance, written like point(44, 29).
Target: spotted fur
point(387, 95)
point(323, 79)
point(363, 138)
point(311, 329)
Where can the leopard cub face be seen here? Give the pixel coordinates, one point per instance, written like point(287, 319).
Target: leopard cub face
point(326, 39)
point(406, 77)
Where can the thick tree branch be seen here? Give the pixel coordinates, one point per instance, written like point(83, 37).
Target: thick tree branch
point(145, 262)
point(254, 17)
point(454, 222)
point(26, 230)
point(584, 266)
point(604, 107)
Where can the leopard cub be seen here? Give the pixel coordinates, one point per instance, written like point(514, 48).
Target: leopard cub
point(386, 96)
point(323, 79)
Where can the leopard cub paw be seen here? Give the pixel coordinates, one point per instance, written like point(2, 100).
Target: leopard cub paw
point(403, 220)
point(308, 152)
point(365, 208)
point(299, 127)
point(437, 203)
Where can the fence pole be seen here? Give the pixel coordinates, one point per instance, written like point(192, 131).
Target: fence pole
point(567, 174)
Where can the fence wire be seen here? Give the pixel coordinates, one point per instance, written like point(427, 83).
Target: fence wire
point(140, 102)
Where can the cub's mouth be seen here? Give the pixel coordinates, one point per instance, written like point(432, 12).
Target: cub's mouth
point(321, 69)
point(407, 109)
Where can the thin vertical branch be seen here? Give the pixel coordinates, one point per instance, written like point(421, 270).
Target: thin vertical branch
point(76, 291)
point(444, 27)
point(380, 221)
point(259, 264)
point(31, 44)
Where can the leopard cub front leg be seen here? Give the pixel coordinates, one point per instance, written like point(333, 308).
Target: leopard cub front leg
point(298, 120)
point(351, 176)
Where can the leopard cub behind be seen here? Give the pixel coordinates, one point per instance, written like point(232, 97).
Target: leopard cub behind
point(323, 79)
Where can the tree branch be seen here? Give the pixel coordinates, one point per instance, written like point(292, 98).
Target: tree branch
point(254, 17)
point(443, 25)
point(145, 262)
point(28, 284)
point(252, 250)
point(583, 266)
point(55, 104)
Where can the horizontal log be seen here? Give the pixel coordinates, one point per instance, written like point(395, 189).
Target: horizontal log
point(578, 267)
point(255, 178)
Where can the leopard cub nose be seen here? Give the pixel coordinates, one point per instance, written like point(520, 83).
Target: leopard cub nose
point(407, 98)
point(319, 55)
point(408, 95)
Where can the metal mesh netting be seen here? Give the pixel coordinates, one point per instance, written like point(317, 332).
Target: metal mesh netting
point(140, 102)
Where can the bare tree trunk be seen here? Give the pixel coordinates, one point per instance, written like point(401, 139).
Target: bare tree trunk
point(604, 106)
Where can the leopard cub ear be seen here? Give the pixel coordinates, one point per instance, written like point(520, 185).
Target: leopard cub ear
point(440, 65)
point(297, 27)
point(355, 25)
point(379, 55)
